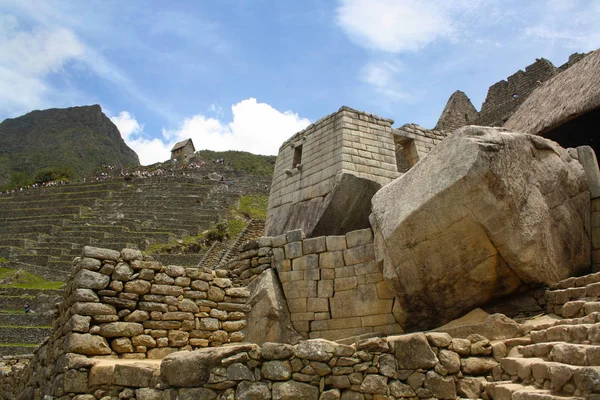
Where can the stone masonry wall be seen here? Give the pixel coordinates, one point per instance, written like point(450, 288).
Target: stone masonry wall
point(333, 286)
point(119, 304)
point(500, 103)
point(431, 365)
point(415, 142)
point(346, 141)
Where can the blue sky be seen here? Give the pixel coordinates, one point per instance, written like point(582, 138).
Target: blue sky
point(247, 74)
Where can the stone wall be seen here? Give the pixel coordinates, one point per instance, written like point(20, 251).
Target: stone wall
point(310, 163)
point(333, 286)
point(431, 365)
point(415, 142)
point(118, 304)
point(500, 102)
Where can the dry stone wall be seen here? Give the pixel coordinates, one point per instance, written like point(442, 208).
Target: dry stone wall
point(119, 304)
point(431, 365)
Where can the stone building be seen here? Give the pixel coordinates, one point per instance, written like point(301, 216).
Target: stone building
point(182, 150)
point(325, 175)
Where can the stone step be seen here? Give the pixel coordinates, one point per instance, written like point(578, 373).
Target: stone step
point(12, 231)
point(557, 377)
point(579, 308)
point(565, 353)
point(9, 334)
point(46, 202)
point(32, 319)
point(580, 333)
point(574, 282)
point(50, 210)
point(516, 391)
point(562, 296)
point(17, 242)
point(15, 350)
point(47, 251)
point(44, 271)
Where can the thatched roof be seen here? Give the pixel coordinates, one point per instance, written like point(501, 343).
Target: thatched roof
point(182, 144)
point(565, 96)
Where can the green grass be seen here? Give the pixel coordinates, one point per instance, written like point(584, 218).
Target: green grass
point(18, 345)
point(3, 260)
point(235, 227)
point(12, 312)
point(25, 280)
point(254, 206)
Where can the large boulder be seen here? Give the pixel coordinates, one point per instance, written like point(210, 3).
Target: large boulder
point(345, 208)
point(487, 210)
point(269, 318)
point(192, 368)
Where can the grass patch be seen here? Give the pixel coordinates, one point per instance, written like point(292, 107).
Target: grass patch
point(3, 260)
point(19, 345)
point(12, 312)
point(235, 227)
point(10, 278)
point(254, 206)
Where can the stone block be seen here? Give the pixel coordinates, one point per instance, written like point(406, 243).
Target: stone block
point(167, 290)
point(325, 288)
point(293, 250)
point(378, 320)
point(359, 254)
point(332, 259)
point(294, 236)
point(345, 283)
point(366, 268)
point(344, 323)
point(298, 289)
point(359, 237)
point(317, 305)
point(344, 272)
point(310, 261)
point(314, 245)
point(305, 316)
point(335, 243)
point(297, 305)
point(361, 301)
point(86, 279)
point(99, 253)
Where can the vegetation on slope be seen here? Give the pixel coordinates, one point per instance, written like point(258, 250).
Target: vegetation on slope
point(250, 206)
point(252, 164)
point(59, 144)
point(25, 280)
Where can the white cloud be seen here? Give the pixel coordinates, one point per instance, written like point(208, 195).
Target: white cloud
point(27, 59)
point(569, 24)
point(256, 127)
point(127, 125)
point(397, 25)
point(384, 76)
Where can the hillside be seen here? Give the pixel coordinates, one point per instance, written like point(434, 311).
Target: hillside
point(252, 164)
point(70, 142)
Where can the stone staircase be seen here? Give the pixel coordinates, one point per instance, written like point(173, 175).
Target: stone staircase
point(561, 359)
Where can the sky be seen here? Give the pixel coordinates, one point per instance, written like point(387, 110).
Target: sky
point(248, 74)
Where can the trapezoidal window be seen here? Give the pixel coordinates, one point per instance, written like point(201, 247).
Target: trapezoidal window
point(297, 156)
point(406, 153)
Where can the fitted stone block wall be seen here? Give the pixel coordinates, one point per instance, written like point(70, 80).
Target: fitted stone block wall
point(332, 284)
point(311, 162)
point(415, 142)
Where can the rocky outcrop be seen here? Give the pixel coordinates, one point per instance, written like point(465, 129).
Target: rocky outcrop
point(78, 138)
point(498, 209)
point(344, 209)
point(269, 318)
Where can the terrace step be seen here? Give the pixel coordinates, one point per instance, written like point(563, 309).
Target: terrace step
point(516, 391)
point(16, 350)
